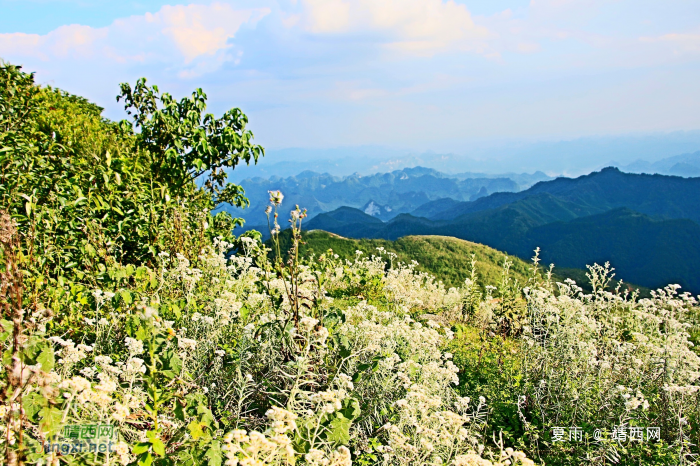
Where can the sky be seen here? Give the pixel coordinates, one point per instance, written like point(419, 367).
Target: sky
point(420, 75)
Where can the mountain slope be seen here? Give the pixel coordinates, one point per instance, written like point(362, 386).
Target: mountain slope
point(448, 259)
point(347, 221)
point(645, 225)
point(643, 250)
point(434, 208)
point(655, 195)
point(650, 252)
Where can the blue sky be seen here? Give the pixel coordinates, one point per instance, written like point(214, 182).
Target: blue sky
point(418, 74)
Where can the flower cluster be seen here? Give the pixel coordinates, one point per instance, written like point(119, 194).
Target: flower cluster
point(217, 340)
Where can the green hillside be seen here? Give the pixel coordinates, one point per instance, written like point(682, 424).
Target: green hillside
point(644, 250)
point(656, 195)
point(447, 258)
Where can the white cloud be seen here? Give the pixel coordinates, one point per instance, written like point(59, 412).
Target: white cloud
point(681, 42)
point(567, 10)
point(192, 38)
point(528, 47)
point(413, 26)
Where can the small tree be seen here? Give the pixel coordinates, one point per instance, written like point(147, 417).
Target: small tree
point(184, 144)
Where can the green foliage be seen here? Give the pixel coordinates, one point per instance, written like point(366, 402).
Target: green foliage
point(561, 372)
point(88, 193)
point(184, 144)
point(91, 203)
point(491, 367)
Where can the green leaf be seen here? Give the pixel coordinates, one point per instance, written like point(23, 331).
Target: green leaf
point(344, 347)
point(158, 446)
point(46, 359)
point(126, 296)
point(33, 404)
point(173, 364)
point(339, 430)
point(195, 429)
point(214, 454)
point(5, 330)
point(146, 460)
point(140, 448)
point(50, 420)
point(351, 408)
point(206, 417)
point(179, 411)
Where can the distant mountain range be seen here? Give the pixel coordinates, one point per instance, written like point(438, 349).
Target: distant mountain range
point(565, 157)
point(679, 165)
point(647, 226)
point(383, 195)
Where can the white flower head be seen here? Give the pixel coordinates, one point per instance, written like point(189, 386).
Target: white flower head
point(308, 323)
point(276, 197)
point(135, 346)
point(186, 343)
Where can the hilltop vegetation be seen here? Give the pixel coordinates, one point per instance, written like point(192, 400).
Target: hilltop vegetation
point(448, 259)
point(125, 302)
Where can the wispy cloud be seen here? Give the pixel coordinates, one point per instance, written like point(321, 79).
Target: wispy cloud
point(680, 42)
point(193, 39)
point(421, 27)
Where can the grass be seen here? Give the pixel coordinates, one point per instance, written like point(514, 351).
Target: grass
point(449, 259)
point(445, 257)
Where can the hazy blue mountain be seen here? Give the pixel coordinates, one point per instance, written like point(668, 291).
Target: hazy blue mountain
point(383, 195)
point(434, 208)
point(483, 158)
point(685, 169)
point(524, 180)
point(687, 165)
point(655, 195)
point(346, 220)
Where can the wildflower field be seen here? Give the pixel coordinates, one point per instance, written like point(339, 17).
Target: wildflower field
point(127, 304)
